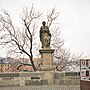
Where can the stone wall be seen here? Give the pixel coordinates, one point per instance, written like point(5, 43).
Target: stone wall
point(44, 87)
point(67, 78)
point(39, 78)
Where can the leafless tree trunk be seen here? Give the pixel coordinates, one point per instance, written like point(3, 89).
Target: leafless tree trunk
point(19, 40)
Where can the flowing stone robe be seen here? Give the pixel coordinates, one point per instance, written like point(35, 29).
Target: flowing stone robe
point(45, 36)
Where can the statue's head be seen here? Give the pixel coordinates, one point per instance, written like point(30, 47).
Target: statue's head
point(43, 23)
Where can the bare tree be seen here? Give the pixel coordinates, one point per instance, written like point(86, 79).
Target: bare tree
point(62, 57)
point(19, 40)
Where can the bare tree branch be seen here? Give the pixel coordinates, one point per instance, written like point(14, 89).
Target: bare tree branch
point(51, 16)
point(21, 40)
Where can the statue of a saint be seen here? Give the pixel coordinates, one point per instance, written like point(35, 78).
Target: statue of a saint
point(45, 35)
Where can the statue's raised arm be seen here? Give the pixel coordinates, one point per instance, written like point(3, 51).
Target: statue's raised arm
point(45, 35)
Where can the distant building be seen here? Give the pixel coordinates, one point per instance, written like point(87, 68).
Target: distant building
point(25, 67)
point(22, 64)
point(9, 64)
point(4, 65)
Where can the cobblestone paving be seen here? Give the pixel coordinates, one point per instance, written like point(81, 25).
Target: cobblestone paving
point(45, 87)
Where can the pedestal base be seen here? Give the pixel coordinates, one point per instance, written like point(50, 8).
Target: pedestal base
point(47, 68)
point(46, 57)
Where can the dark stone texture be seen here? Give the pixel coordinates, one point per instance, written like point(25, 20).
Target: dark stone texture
point(44, 82)
point(7, 78)
point(30, 74)
point(36, 82)
point(58, 75)
point(35, 78)
point(9, 74)
point(30, 82)
point(71, 73)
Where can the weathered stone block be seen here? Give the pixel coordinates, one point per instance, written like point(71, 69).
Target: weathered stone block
point(61, 82)
point(9, 74)
point(22, 82)
point(30, 74)
point(71, 73)
point(30, 82)
point(0, 78)
point(46, 57)
point(58, 75)
point(44, 82)
point(14, 83)
point(4, 83)
point(7, 78)
point(49, 76)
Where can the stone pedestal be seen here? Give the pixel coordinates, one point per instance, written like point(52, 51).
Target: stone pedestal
point(49, 76)
point(46, 57)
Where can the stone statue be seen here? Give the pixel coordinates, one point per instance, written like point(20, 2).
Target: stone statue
point(45, 35)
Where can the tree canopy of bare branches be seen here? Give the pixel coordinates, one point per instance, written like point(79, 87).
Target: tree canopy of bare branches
point(20, 40)
point(63, 58)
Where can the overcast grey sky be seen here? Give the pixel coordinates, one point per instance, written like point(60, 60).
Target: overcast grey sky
point(74, 17)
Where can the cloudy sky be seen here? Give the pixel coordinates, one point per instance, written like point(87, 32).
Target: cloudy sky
point(74, 18)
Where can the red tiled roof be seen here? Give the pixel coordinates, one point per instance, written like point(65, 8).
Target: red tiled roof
point(26, 68)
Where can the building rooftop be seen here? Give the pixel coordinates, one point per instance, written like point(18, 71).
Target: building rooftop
point(3, 61)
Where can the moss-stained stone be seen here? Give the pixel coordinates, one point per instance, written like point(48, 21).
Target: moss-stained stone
point(39, 78)
point(58, 75)
point(37, 82)
point(7, 78)
point(30, 82)
point(44, 82)
point(9, 74)
point(71, 73)
point(30, 74)
point(22, 78)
